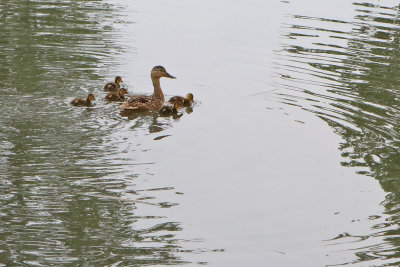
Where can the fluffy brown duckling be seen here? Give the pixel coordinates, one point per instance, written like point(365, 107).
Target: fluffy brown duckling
point(117, 96)
point(113, 86)
point(83, 102)
point(185, 101)
point(168, 110)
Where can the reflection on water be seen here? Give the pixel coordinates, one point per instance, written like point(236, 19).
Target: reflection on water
point(346, 71)
point(73, 180)
point(56, 159)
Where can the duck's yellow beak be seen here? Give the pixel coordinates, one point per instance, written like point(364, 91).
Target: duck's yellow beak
point(169, 76)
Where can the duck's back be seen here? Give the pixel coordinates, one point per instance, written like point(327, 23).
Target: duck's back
point(180, 100)
point(174, 99)
point(111, 87)
point(114, 97)
point(142, 103)
point(78, 102)
point(166, 110)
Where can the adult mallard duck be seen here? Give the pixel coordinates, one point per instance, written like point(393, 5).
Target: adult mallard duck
point(168, 110)
point(185, 101)
point(117, 96)
point(151, 102)
point(113, 86)
point(83, 102)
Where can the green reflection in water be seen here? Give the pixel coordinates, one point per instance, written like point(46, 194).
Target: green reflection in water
point(347, 73)
point(52, 155)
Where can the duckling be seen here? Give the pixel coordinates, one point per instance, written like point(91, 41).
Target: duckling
point(151, 102)
point(113, 86)
point(168, 110)
point(186, 102)
point(83, 102)
point(117, 96)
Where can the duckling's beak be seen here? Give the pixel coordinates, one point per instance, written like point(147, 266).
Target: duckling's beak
point(169, 75)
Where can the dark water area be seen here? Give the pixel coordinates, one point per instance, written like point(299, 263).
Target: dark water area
point(54, 156)
point(288, 157)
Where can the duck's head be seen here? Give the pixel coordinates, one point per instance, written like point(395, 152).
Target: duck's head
point(118, 80)
point(189, 97)
point(123, 91)
point(90, 97)
point(159, 71)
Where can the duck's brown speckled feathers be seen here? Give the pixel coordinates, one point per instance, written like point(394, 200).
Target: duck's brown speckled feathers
point(117, 96)
point(185, 101)
point(113, 86)
point(154, 101)
point(142, 103)
point(83, 102)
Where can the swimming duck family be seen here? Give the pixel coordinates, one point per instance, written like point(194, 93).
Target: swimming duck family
point(83, 102)
point(151, 102)
point(154, 101)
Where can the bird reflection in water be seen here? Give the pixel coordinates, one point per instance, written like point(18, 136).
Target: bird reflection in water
point(152, 117)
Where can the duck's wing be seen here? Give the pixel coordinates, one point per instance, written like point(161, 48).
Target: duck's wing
point(111, 97)
point(176, 98)
point(138, 102)
point(78, 102)
point(114, 97)
point(165, 110)
point(111, 87)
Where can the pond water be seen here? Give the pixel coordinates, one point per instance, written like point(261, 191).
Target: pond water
point(289, 156)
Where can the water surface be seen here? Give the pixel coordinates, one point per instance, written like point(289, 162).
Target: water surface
point(288, 97)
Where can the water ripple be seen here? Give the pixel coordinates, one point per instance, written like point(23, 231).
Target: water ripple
point(345, 71)
point(68, 175)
